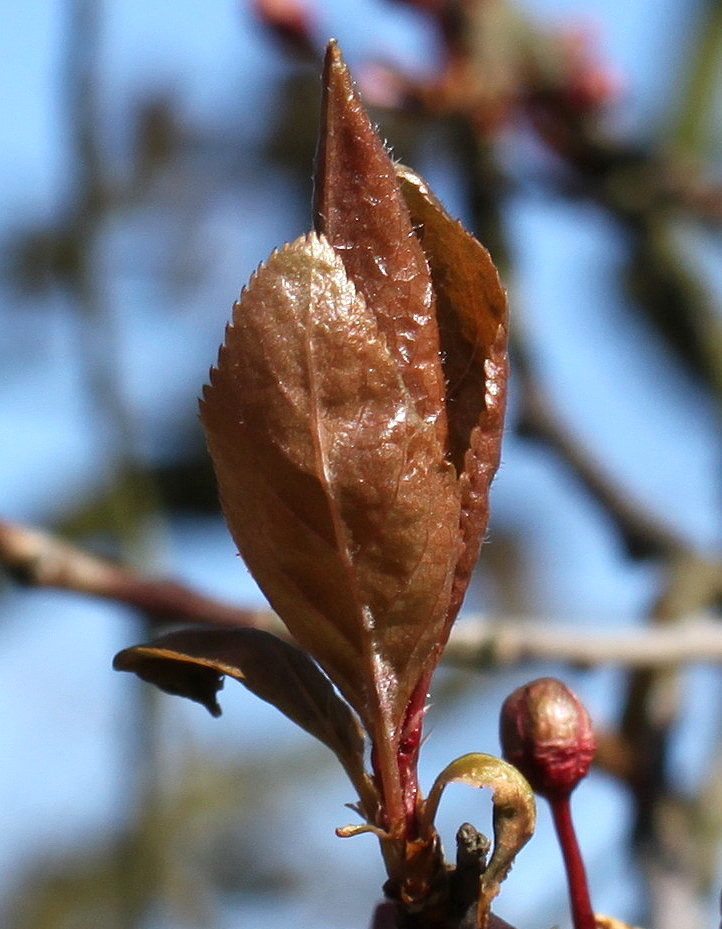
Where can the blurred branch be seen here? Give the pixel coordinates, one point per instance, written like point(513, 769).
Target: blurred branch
point(91, 200)
point(665, 829)
point(40, 559)
point(477, 642)
point(642, 533)
point(695, 110)
point(501, 67)
point(88, 212)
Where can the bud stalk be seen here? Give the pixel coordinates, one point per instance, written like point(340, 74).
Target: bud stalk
point(546, 732)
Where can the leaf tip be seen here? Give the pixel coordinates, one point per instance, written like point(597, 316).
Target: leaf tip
point(333, 55)
point(339, 103)
point(336, 75)
point(176, 677)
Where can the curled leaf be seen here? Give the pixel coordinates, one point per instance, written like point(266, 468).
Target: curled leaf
point(471, 310)
point(346, 832)
point(192, 664)
point(514, 816)
point(336, 492)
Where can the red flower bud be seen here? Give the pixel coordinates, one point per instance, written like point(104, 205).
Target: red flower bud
point(546, 733)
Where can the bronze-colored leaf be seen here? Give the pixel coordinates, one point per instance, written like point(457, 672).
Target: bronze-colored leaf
point(472, 317)
point(471, 305)
point(337, 494)
point(514, 815)
point(359, 208)
point(192, 664)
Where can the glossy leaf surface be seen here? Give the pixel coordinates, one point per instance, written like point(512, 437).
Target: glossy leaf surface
point(336, 492)
point(192, 664)
point(472, 318)
point(360, 209)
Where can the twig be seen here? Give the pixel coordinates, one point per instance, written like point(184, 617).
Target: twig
point(477, 643)
point(40, 559)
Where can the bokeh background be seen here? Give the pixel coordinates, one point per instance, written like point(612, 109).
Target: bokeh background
point(151, 155)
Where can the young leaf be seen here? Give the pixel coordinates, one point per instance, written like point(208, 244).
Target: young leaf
point(514, 815)
point(192, 664)
point(360, 210)
point(472, 317)
point(335, 491)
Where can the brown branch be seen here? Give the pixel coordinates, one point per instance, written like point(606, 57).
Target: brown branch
point(40, 559)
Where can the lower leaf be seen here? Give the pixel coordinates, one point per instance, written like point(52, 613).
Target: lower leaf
point(192, 663)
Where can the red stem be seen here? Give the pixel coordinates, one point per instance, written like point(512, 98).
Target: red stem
point(581, 905)
point(408, 751)
point(384, 916)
